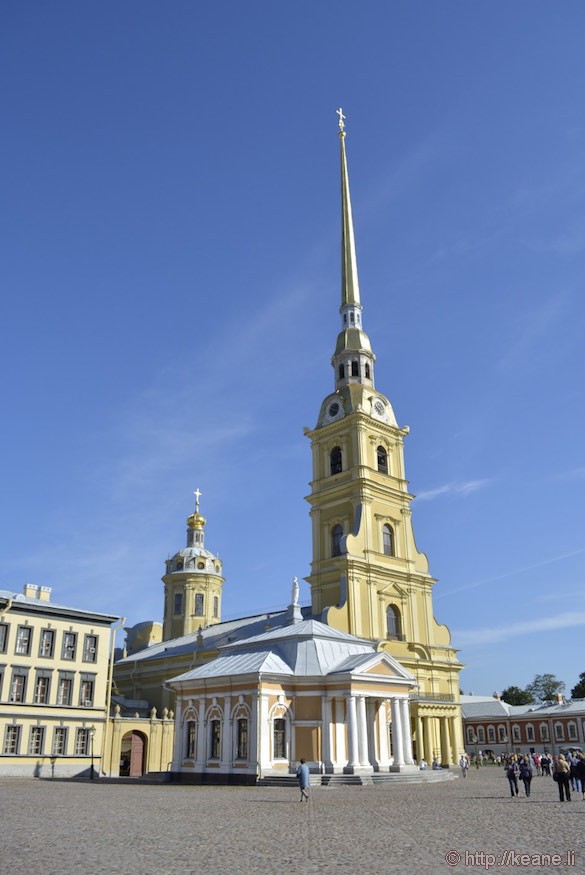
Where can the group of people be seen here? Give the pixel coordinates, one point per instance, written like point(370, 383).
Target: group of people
point(567, 771)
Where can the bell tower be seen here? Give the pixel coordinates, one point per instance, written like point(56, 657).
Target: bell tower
point(193, 583)
point(367, 576)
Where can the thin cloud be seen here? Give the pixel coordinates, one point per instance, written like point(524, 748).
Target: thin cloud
point(491, 635)
point(550, 561)
point(453, 489)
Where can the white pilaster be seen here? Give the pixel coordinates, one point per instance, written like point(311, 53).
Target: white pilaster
point(264, 728)
point(226, 732)
point(201, 752)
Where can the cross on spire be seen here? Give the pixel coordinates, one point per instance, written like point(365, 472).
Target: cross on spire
point(341, 119)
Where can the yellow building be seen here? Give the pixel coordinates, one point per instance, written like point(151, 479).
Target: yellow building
point(54, 671)
point(241, 685)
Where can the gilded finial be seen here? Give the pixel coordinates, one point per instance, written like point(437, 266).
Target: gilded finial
point(341, 121)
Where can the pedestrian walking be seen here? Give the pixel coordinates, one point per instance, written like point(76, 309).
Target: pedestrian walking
point(304, 779)
point(463, 764)
point(512, 773)
point(561, 774)
point(526, 774)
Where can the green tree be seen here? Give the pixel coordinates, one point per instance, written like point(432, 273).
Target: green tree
point(515, 696)
point(578, 692)
point(545, 687)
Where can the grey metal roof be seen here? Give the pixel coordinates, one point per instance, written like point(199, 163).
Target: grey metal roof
point(18, 598)
point(305, 649)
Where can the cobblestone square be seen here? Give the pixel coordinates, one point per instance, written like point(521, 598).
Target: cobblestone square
point(68, 828)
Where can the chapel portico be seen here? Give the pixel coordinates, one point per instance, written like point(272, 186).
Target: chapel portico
point(304, 690)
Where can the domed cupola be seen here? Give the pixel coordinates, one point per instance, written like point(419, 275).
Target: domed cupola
point(193, 582)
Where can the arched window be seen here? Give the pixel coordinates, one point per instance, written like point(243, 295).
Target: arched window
point(491, 734)
point(387, 540)
point(470, 735)
point(190, 740)
point(529, 732)
point(242, 739)
point(501, 733)
point(559, 732)
point(336, 460)
point(279, 733)
point(215, 606)
point(336, 536)
point(198, 611)
point(215, 738)
point(480, 735)
point(572, 730)
point(382, 460)
point(543, 732)
point(355, 372)
point(341, 372)
point(178, 603)
point(367, 371)
point(393, 622)
point(516, 733)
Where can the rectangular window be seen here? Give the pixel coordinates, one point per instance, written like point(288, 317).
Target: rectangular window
point(242, 751)
point(279, 739)
point(18, 687)
point(198, 610)
point(559, 731)
point(90, 643)
point(86, 693)
point(3, 637)
point(530, 733)
point(47, 645)
point(12, 740)
point(69, 645)
point(37, 740)
point(215, 607)
point(42, 684)
point(59, 741)
point(491, 734)
point(572, 731)
point(23, 640)
point(65, 690)
point(215, 739)
point(178, 603)
point(82, 742)
point(543, 732)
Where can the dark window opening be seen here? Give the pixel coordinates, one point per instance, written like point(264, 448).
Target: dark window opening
point(382, 459)
point(336, 460)
point(393, 622)
point(336, 536)
point(355, 372)
point(279, 739)
point(341, 372)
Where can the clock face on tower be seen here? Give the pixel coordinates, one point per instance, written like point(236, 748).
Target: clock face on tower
point(379, 408)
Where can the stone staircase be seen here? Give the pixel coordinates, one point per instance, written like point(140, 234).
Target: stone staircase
point(376, 779)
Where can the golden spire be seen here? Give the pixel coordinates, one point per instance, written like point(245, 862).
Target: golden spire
point(350, 290)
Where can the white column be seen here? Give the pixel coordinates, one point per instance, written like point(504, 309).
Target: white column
point(383, 751)
point(445, 752)
point(428, 730)
point(226, 733)
point(339, 752)
point(454, 740)
point(253, 736)
point(201, 752)
point(362, 732)
point(352, 733)
point(397, 748)
point(406, 731)
point(326, 758)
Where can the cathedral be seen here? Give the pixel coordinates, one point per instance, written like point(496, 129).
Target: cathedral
point(362, 681)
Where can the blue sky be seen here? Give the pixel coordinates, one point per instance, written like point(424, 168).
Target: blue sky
point(170, 288)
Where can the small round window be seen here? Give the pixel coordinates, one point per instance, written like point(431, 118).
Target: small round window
point(201, 565)
point(334, 409)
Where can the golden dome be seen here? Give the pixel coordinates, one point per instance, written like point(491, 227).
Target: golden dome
point(196, 521)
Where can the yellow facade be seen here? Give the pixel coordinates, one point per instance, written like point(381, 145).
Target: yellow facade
point(54, 667)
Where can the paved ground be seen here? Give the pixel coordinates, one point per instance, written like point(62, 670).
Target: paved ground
point(70, 828)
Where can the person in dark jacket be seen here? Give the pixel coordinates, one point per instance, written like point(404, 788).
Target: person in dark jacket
point(526, 774)
point(580, 771)
point(512, 772)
